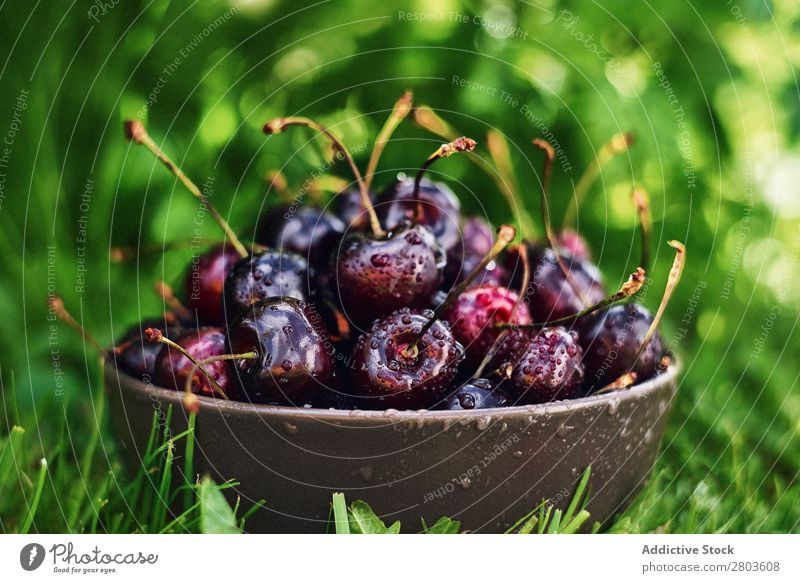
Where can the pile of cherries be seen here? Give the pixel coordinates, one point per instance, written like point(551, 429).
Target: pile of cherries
point(393, 300)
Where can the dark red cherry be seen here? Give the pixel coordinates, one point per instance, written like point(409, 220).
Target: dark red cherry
point(440, 209)
point(172, 368)
point(548, 368)
point(611, 340)
point(309, 232)
point(263, 275)
point(553, 295)
point(135, 355)
point(204, 283)
point(476, 394)
point(396, 377)
point(572, 244)
point(375, 276)
point(347, 206)
point(295, 353)
point(474, 244)
point(475, 313)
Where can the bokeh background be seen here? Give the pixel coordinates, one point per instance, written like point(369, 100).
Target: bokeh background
point(709, 89)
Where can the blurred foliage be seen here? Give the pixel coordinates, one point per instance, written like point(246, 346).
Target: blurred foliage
point(709, 89)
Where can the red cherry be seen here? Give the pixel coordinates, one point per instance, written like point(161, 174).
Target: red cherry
point(172, 368)
point(475, 313)
point(205, 282)
point(400, 378)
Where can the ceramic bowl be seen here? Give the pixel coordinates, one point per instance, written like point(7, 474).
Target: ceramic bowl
point(486, 468)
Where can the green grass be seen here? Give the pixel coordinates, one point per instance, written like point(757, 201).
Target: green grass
point(61, 493)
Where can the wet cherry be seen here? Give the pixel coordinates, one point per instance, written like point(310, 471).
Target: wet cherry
point(476, 394)
point(295, 354)
point(554, 296)
point(475, 313)
point(625, 339)
point(611, 342)
point(475, 242)
point(399, 378)
point(548, 367)
point(438, 209)
point(308, 232)
point(374, 276)
point(263, 275)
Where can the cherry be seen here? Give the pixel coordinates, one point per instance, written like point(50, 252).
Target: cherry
point(477, 238)
point(135, 355)
point(611, 342)
point(573, 245)
point(348, 207)
point(553, 294)
point(475, 313)
point(439, 210)
point(309, 232)
point(624, 340)
point(397, 376)
point(548, 367)
point(377, 276)
point(295, 356)
point(377, 273)
point(174, 367)
point(476, 394)
point(562, 285)
point(263, 275)
point(205, 281)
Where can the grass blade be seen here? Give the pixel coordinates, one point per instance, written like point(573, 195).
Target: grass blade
point(36, 498)
point(340, 518)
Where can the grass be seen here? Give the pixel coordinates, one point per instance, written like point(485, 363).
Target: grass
point(94, 494)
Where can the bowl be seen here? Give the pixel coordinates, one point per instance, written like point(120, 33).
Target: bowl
point(486, 468)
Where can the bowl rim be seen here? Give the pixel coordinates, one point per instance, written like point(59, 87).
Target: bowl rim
point(666, 378)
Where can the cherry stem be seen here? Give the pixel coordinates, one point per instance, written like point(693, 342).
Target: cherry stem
point(137, 133)
point(526, 278)
point(628, 289)
point(642, 202)
point(505, 179)
point(221, 357)
point(618, 144)
point(623, 382)
point(280, 124)
point(672, 282)
point(121, 253)
point(505, 235)
point(155, 335)
point(400, 111)
point(426, 118)
point(164, 291)
point(550, 156)
point(276, 181)
point(56, 304)
point(462, 144)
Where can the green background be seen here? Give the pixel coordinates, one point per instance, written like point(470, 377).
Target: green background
point(716, 148)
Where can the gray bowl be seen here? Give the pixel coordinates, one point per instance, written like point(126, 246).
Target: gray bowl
point(486, 468)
